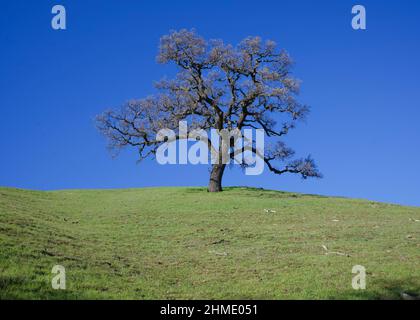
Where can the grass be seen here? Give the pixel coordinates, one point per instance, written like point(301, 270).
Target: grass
point(185, 243)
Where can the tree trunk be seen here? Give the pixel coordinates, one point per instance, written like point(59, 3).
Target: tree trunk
point(215, 184)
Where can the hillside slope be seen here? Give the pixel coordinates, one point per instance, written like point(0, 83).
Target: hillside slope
point(160, 243)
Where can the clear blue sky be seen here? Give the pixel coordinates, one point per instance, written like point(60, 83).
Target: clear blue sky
point(363, 87)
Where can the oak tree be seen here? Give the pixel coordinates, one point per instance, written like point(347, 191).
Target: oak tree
point(217, 86)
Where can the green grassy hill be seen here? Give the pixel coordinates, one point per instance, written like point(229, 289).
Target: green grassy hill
point(164, 243)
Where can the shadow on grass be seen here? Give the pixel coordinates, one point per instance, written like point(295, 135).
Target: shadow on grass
point(17, 288)
point(255, 192)
point(402, 289)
